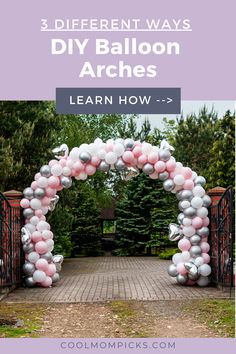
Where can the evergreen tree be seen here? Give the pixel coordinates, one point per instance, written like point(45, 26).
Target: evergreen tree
point(143, 215)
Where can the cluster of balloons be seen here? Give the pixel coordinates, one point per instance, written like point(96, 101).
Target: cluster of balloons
point(128, 157)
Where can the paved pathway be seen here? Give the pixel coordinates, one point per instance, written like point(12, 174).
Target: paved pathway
point(120, 278)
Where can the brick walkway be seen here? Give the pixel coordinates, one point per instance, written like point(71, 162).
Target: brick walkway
point(119, 278)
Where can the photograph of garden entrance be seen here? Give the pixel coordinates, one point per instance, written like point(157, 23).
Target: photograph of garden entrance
point(116, 225)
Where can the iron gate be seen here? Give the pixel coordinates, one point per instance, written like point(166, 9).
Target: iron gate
point(222, 240)
point(10, 244)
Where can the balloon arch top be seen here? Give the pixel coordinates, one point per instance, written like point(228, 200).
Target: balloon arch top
point(190, 266)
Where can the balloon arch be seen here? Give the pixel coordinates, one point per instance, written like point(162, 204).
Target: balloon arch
point(129, 157)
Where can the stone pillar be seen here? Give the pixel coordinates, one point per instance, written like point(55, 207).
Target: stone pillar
point(215, 194)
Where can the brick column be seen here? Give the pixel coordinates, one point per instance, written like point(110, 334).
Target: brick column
point(215, 194)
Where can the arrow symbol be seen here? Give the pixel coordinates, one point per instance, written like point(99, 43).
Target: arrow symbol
point(167, 100)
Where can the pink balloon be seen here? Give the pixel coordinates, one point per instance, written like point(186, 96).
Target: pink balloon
point(90, 169)
point(41, 247)
point(154, 175)
point(170, 165)
point(186, 172)
point(53, 182)
point(190, 282)
point(206, 257)
point(52, 162)
point(95, 161)
point(78, 166)
point(137, 151)
point(184, 244)
point(51, 270)
point(109, 147)
point(50, 192)
point(59, 188)
point(62, 162)
point(36, 236)
point(153, 157)
point(45, 201)
point(205, 247)
point(128, 156)
point(24, 203)
point(188, 184)
point(142, 159)
point(205, 221)
point(69, 163)
point(41, 264)
point(37, 176)
point(34, 185)
point(160, 166)
point(197, 222)
point(38, 213)
point(47, 282)
point(181, 269)
point(137, 143)
point(43, 217)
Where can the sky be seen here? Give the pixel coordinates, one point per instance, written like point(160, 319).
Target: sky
point(189, 107)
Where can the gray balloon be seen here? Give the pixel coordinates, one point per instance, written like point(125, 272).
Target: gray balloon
point(47, 256)
point(189, 212)
point(85, 156)
point(25, 236)
point(186, 195)
point(175, 232)
point(163, 176)
point(195, 240)
point(181, 205)
point(45, 171)
point(29, 282)
point(39, 193)
point(58, 267)
point(53, 202)
point(182, 279)
point(164, 155)
point(66, 182)
point(200, 180)
point(203, 231)
point(55, 278)
point(168, 185)
point(180, 218)
point(129, 144)
point(103, 166)
point(28, 212)
point(148, 168)
point(172, 271)
point(120, 165)
point(58, 258)
point(193, 276)
point(28, 268)
point(192, 269)
point(27, 248)
point(195, 251)
point(28, 193)
point(206, 201)
point(179, 195)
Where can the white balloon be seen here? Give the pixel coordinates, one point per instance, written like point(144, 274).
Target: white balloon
point(199, 261)
point(204, 270)
point(35, 203)
point(111, 158)
point(194, 175)
point(33, 257)
point(34, 220)
point(66, 171)
point(42, 182)
point(198, 191)
point(44, 210)
point(43, 225)
point(82, 176)
point(189, 231)
point(101, 154)
point(202, 212)
point(98, 141)
point(179, 180)
point(30, 227)
point(146, 148)
point(203, 281)
point(50, 244)
point(185, 204)
point(185, 256)
point(74, 154)
point(196, 202)
point(119, 149)
point(39, 276)
point(56, 170)
point(177, 258)
point(187, 222)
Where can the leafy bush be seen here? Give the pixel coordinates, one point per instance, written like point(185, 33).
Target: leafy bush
point(168, 254)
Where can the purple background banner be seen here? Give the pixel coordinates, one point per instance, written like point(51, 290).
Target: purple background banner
point(127, 346)
point(205, 69)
